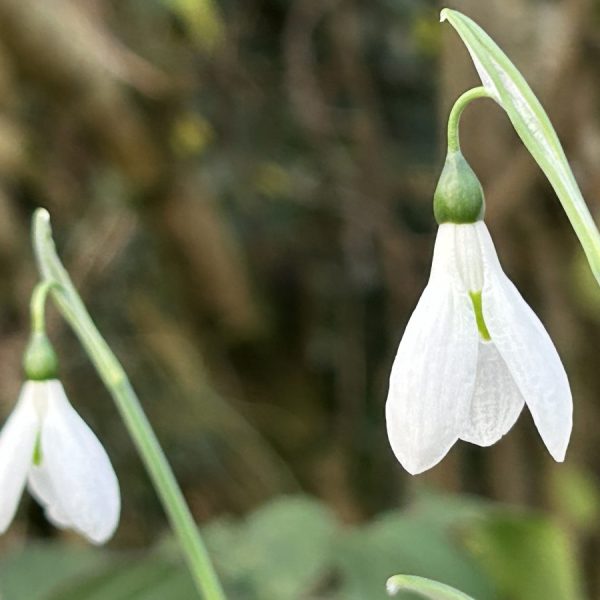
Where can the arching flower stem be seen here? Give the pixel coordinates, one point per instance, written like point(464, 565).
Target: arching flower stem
point(114, 377)
point(37, 305)
point(456, 112)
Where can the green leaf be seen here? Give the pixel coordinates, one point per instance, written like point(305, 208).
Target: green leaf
point(368, 555)
point(127, 580)
point(432, 590)
point(290, 546)
point(449, 511)
point(576, 495)
point(41, 568)
point(507, 86)
point(528, 556)
point(60, 571)
point(282, 550)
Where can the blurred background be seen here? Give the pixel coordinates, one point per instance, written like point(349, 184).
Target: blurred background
point(242, 193)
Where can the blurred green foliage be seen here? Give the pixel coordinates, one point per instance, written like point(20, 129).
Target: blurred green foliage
point(294, 547)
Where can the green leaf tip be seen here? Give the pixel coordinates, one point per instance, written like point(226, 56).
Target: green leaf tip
point(510, 90)
point(41, 230)
point(41, 214)
point(427, 588)
point(40, 223)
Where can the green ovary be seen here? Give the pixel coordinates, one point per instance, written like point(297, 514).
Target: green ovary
point(477, 307)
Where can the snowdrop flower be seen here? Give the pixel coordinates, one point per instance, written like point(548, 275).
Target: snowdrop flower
point(473, 352)
point(47, 446)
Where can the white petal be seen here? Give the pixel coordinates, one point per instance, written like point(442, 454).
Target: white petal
point(17, 442)
point(41, 488)
point(497, 401)
point(75, 481)
point(433, 375)
point(528, 352)
point(468, 257)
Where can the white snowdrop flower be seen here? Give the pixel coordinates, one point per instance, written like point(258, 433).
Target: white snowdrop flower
point(47, 446)
point(473, 352)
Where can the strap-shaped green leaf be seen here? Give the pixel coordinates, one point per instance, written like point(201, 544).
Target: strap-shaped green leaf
point(432, 590)
point(508, 87)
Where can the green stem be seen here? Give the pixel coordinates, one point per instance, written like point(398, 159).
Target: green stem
point(37, 305)
point(456, 112)
point(128, 404)
point(513, 94)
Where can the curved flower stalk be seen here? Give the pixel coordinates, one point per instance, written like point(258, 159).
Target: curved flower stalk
point(47, 446)
point(505, 84)
point(57, 280)
point(473, 353)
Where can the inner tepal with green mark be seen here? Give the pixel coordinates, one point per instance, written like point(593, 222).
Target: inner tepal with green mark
point(477, 307)
point(37, 452)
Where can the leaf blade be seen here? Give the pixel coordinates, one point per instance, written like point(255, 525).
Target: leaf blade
point(432, 590)
point(508, 87)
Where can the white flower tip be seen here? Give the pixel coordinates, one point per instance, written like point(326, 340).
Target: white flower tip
point(106, 527)
point(556, 430)
point(97, 524)
point(416, 458)
point(417, 464)
point(443, 14)
point(559, 453)
point(558, 443)
point(98, 538)
point(97, 527)
point(416, 467)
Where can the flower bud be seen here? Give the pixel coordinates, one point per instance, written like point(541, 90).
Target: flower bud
point(40, 361)
point(458, 197)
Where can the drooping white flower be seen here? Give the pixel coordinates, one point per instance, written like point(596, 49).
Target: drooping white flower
point(473, 353)
point(47, 446)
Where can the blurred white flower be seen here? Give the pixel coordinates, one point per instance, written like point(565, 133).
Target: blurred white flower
point(46, 445)
point(472, 354)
